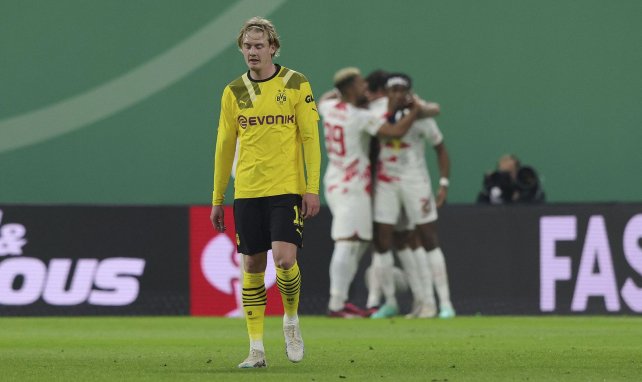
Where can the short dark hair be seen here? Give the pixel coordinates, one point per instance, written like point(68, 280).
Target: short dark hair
point(377, 80)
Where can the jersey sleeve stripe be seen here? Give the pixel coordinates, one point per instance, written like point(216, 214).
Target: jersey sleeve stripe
point(241, 95)
point(284, 71)
point(249, 87)
point(287, 77)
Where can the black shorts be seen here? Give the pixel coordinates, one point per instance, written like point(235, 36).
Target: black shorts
point(260, 221)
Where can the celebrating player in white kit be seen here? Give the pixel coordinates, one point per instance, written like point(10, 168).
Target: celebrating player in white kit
point(403, 184)
point(347, 184)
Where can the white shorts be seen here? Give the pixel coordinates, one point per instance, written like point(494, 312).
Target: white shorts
point(403, 223)
point(351, 214)
point(415, 197)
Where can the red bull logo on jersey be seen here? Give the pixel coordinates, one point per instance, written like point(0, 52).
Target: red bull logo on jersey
point(244, 121)
point(396, 144)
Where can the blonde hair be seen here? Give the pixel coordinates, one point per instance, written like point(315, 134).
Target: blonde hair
point(260, 24)
point(344, 74)
point(344, 78)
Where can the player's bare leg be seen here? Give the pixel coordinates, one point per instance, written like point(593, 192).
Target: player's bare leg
point(288, 280)
point(254, 298)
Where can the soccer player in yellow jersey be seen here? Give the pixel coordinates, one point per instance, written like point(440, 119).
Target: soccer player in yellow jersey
point(271, 110)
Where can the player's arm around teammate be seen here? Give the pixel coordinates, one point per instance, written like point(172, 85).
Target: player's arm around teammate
point(428, 109)
point(347, 180)
point(401, 127)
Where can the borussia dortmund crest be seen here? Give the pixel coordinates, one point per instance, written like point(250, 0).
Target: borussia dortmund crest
point(280, 97)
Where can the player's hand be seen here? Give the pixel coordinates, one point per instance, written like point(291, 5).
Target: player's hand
point(310, 205)
point(441, 196)
point(414, 103)
point(217, 216)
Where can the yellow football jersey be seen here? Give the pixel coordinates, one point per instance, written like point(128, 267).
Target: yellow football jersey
point(275, 121)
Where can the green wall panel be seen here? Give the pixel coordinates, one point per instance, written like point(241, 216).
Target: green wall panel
point(555, 82)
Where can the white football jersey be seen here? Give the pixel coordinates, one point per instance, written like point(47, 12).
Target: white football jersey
point(405, 158)
point(347, 140)
point(379, 107)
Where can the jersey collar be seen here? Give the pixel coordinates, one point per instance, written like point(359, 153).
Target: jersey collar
point(276, 72)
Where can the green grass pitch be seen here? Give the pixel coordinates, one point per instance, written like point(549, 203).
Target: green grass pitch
point(208, 349)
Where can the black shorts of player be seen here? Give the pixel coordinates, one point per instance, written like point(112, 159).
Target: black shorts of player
point(260, 221)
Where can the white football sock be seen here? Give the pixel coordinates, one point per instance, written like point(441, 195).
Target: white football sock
point(343, 267)
point(411, 270)
point(374, 287)
point(382, 264)
point(257, 344)
point(290, 320)
point(440, 277)
point(425, 275)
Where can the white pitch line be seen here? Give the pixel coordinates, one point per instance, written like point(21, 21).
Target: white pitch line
point(134, 86)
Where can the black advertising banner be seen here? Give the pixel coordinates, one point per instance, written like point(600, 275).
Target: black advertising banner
point(82, 260)
point(559, 259)
point(546, 259)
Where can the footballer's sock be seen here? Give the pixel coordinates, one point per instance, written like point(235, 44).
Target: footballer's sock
point(440, 277)
point(343, 266)
point(254, 299)
point(411, 271)
point(425, 275)
point(382, 264)
point(374, 287)
point(289, 283)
